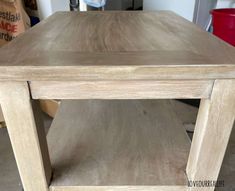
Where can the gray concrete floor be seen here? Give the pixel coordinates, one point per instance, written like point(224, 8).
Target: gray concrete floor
point(10, 180)
point(227, 173)
point(9, 177)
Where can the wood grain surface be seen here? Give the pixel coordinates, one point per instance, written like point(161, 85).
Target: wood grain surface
point(116, 45)
point(121, 89)
point(214, 124)
point(118, 145)
point(119, 188)
point(27, 138)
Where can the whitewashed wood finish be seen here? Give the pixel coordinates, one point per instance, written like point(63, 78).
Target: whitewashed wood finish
point(120, 188)
point(214, 124)
point(121, 89)
point(38, 117)
point(28, 141)
point(134, 72)
point(128, 46)
point(106, 144)
point(116, 45)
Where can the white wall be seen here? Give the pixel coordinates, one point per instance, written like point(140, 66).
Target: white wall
point(48, 7)
point(44, 8)
point(60, 5)
point(226, 4)
point(184, 8)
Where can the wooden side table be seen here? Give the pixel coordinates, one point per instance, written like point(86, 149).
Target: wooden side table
point(118, 56)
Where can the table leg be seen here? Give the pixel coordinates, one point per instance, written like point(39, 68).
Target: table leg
point(28, 140)
point(213, 128)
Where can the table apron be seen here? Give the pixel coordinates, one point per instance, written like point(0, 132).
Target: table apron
point(132, 89)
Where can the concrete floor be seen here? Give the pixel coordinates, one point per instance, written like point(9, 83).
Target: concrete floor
point(9, 177)
point(10, 180)
point(227, 173)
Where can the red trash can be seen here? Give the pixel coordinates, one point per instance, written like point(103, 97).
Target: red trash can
point(223, 22)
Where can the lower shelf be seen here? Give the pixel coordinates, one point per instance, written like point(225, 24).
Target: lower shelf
point(118, 145)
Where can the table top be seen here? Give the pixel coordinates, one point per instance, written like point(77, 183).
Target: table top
point(116, 46)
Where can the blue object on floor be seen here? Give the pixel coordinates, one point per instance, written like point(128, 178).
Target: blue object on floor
point(95, 3)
